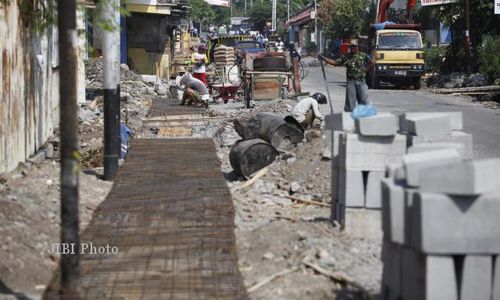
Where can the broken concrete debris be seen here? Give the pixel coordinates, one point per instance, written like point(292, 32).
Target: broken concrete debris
point(440, 237)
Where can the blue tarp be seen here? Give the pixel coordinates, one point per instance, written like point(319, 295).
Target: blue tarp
point(379, 26)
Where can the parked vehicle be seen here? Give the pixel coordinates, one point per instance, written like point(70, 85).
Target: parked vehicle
point(397, 54)
point(248, 46)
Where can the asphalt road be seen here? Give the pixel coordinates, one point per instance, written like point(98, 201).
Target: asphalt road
point(482, 123)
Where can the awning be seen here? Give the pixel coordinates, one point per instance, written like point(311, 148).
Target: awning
point(149, 9)
point(301, 18)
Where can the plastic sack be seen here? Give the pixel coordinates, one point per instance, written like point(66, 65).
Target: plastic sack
point(125, 134)
point(363, 111)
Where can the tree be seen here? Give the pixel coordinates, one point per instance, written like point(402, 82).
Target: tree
point(343, 18)
point(202, 12)
point(261, 12)
point(483, 22)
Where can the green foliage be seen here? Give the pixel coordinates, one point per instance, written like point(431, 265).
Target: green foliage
point(37, 14)
point(261, 12)
point(343, 18)
point(201, 11)
point(369, 17)
point(222, 15)
point(433, 58)
point(489, 57)
point(483, 22)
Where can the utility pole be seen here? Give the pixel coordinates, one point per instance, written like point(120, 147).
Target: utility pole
point(245, 8)
point(68, 53)
point(111, 63)
point(467, 38)
point(316, 25)
point(287, 10)
point(273, 24)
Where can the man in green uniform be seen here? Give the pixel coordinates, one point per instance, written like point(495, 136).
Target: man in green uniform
point(357, 64)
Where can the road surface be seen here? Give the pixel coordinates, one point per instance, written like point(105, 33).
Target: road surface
point(482, 123)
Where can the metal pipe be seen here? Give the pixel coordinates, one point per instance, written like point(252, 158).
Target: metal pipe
point(111, 64)
point(68, 53)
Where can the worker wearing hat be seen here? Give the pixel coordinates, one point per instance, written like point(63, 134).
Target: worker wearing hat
point(199, 59)
point(357, 64)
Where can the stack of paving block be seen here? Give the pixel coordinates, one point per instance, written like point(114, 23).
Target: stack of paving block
point(224, 55)
point(361, 149)
point(441, 230)
point(435, 130)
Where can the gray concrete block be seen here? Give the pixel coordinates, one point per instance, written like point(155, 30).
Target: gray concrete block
point(340, 121)
point(415, 162)
point(456, 120)
point(496, 278)
point(424, 147)
point(455, 137)
point(336, 136)
point(442, 224)
point(467, 178)
point(475, 279)
point(363, 223)
point(392, 272)
point(410, 195)
point(428, 277)
point(351, 188)
point(429, 125)
point(393, 211)
point(372, 153)
point(37, 158)
point(382, 124)
point(373, 193)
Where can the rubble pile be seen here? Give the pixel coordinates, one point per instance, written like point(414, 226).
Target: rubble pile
point(439, 223)
point(458, 80)
point(135, 95)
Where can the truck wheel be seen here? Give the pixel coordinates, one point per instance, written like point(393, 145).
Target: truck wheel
point(416, 84)
point(374, 82)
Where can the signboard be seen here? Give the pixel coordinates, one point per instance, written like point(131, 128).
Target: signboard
point(225, 3)
point(497, 7)
point(437, 2)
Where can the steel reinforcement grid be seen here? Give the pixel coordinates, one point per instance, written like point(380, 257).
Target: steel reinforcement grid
point(171, 218)
point(169, 107)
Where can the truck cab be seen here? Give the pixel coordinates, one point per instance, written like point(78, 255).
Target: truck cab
point(397, 55)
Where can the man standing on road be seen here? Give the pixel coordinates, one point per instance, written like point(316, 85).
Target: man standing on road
point(357, 65)
point(195, 91)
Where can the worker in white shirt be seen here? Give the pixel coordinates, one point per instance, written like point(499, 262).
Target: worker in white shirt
point(308, 109)
point(199, 59)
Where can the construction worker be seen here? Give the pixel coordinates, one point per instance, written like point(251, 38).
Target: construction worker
point(199, 59)
point(308, 109)
point(356, 63)
point(195, 92)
